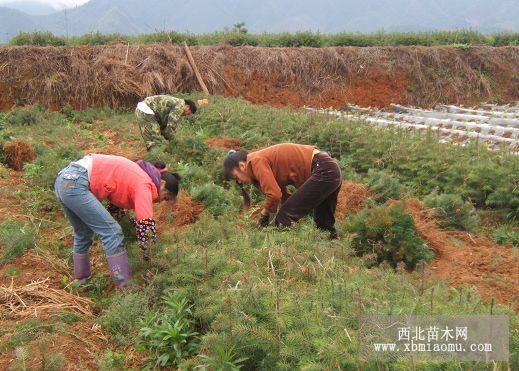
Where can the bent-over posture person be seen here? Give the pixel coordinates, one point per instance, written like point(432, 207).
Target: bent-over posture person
point(314, 173)
point(82, 185)
point(158, 116)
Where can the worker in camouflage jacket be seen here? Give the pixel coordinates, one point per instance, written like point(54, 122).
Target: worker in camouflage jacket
point(158, 117)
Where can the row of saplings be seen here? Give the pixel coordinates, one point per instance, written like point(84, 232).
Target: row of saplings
point(385, 231)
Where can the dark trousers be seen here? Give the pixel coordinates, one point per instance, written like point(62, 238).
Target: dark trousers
point(318, 193)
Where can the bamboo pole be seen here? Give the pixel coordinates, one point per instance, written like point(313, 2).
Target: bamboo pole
point(195, 68)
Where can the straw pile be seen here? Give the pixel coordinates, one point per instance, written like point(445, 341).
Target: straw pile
point(91, 76)
point(183, 212)
point(17, 153)
point(351, 199)
point(37, 298)
point(224, 143)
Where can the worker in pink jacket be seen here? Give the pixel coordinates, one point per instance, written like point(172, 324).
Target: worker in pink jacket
point(82, 185)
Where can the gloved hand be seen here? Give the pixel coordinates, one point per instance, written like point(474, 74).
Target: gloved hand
point(146, 235)
point(264, 220)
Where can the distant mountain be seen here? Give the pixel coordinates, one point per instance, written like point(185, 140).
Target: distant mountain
point(329, 16)
point(12, 20)
point(30, 7)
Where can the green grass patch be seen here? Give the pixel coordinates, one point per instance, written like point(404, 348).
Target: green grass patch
point(285, 39)
point(15, 238)
point(121, 317)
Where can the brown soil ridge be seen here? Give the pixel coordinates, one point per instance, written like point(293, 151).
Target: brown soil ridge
point(94, 76)
point(10, 202)
point(466, 260)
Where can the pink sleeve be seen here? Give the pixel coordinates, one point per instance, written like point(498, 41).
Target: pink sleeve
point(143, 202)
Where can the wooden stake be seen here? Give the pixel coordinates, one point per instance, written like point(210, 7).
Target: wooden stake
point(127, 50)
point(195, 68)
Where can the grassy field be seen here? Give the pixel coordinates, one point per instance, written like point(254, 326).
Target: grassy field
point(299, 39)
point(221, 293)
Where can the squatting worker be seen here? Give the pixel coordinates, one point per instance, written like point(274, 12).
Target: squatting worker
point(82, 185)
point(158, 117)
point(314, 173)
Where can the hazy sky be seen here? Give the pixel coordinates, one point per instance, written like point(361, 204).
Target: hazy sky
point(54, 3)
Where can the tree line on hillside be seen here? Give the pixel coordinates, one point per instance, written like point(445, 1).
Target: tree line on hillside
point(239, 36)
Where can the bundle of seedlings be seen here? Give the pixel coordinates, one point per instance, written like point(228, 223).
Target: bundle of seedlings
point(452, 212)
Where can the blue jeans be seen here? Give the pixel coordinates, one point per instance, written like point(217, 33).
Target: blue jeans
point(86, 214)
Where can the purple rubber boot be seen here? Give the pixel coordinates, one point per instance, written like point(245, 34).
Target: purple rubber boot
point(81, 263)
point(120, 269)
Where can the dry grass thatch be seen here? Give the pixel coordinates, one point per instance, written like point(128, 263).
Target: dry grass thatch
point(351, 199)
point(38, 297)
point(17, 153)
point(183, 212)
point(224, 143)
point(102, 76)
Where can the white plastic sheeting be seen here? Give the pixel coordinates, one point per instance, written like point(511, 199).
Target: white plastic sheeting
point(457, 116)
point(456, 124)
point(488, 113)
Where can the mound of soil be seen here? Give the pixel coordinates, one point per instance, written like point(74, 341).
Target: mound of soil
point(465, 260)
point(352, 198)
point(17, 153)
point(224, 143)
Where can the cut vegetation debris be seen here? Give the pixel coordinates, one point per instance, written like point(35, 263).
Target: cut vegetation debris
point(351, 199)
point(119, 75)
point(489, 127)
point(38, 298)
point(185, 211)
point(17, 153)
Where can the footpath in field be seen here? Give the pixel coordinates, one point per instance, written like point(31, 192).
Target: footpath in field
point(497, 126)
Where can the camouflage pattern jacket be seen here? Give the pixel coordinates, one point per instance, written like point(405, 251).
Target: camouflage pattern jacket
point(168, 111)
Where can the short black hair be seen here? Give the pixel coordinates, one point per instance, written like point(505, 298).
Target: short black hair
point(232, 161)
point(191, 104)
point(172, 182)
point(172, 179)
